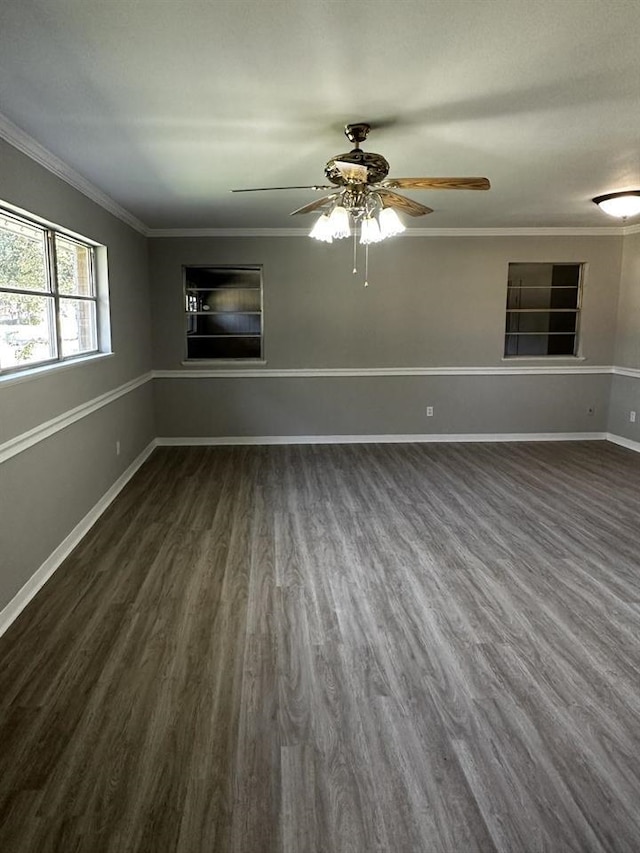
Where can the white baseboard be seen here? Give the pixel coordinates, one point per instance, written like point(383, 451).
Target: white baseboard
point(40, 577)
point(624, 442)
point(378, 439)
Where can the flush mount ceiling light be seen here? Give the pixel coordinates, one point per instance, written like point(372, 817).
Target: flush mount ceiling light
point(362, 201)
point(622, 204)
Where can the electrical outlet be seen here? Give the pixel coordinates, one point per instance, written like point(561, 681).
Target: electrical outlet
point(632, 417)
point(117, 448)
point(429, 411)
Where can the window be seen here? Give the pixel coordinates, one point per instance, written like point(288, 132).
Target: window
point(543, 306)
point(48, 301)
point(223, 312)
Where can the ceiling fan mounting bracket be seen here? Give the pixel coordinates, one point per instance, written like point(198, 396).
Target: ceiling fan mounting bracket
point(357, 133)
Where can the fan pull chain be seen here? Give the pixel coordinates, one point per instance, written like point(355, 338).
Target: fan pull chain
point(355, 247)
point(366, 265)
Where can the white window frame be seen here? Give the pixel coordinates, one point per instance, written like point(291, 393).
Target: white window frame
point(99, 296)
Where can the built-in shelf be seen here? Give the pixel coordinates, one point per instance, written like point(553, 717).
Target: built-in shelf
point(223, 310)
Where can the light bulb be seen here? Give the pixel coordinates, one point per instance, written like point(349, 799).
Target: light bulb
point(390, 222)
point(339, 222)
point(322, 230)
point(370, 231)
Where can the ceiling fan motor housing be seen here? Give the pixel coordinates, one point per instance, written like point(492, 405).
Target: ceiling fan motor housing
point(376, 165)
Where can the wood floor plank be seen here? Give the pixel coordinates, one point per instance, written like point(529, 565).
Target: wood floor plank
point(322, 649)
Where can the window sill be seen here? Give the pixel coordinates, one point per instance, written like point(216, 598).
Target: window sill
point(543, 358)
point(46, 369)
point(211, 363)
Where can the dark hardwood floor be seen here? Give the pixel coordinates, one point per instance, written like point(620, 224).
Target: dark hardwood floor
point(337, 648)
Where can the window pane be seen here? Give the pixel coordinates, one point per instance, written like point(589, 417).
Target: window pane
point(23, 263)
point(77, 326)
point(73, 265)
point(27, 329)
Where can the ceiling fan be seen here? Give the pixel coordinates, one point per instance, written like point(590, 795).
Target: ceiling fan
point(362, 195)
point(357, 175)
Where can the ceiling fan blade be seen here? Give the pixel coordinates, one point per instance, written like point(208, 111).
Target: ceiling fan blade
point(315, 205)
point(268, 189)
point(400, 202)
point(438, 183)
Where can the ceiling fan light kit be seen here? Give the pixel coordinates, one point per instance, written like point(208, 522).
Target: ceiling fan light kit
point(322, 230)
point(363, 199)
point(620, 204)
point(339, 221)
point(390, 222)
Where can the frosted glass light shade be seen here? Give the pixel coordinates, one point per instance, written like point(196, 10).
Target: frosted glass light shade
point(390, 222)
point(621, 204)
point(370, 231)
point(322, 230)
point(339, 223)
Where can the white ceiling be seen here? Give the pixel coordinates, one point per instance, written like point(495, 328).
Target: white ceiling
point(165, 106)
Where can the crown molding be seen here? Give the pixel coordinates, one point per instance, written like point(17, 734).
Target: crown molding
point(615, 231)
point(21, 140)
point(228, 232)
point(631, 229)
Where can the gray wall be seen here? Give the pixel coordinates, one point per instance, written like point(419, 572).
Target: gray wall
point(432, 302)
point(366, 405)
point(46, 490)
point(625, 390)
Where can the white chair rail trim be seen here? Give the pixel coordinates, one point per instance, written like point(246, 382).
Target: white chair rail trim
point(25, 440)
point(310, 372)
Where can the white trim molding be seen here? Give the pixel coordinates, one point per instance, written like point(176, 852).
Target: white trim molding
point(310, 372)
point(632, 372)
point(385, 438)
point(25, 440)
point(624, 442)
point(55, 559)
point(21, 140)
